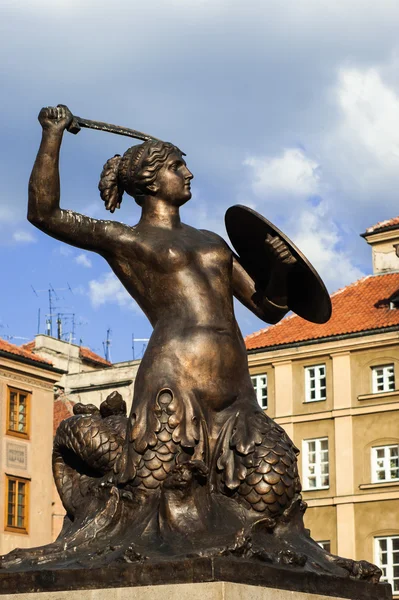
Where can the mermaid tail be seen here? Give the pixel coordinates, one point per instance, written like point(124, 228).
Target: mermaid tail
point(86, 447)
point(264, 477)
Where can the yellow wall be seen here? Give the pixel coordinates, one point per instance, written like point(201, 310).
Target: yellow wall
point(352, 511)
point(322, 523)
point(374, 519)
point(37, 468)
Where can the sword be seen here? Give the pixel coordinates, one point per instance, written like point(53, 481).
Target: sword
point(78, 123)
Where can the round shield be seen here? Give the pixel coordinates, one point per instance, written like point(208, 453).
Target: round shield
point(307, 294)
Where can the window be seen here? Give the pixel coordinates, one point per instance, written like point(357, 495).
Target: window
point(386, 556)
point(260, 386)
point(383, 379)
point(326, 545)
point(315, 464)
point(315, 383)
point(17, 412)
point(385, 463)
point(17, 504)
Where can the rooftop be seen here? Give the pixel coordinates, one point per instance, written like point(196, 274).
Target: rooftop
point(24, 352)
point(382, 226)
point(63, 409)
point(85, 353)
point(359, 307)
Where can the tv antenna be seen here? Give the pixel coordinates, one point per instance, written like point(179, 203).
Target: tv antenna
point(134, 341)
point(14, 337)
point(107, 346)
point(52, 315)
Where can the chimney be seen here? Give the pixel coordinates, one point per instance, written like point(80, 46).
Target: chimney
point(384, 241)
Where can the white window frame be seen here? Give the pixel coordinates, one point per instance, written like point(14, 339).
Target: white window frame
point(314, 375)
point(312, 470)
point(383, 377)
point(326, 545)
point(386, 563)
point(386, 466)
point(260, 388)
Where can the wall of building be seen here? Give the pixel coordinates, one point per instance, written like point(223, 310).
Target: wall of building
point(353, 510)
point(28, 458)
point(384, 256)
point(93, 387)
point(62, 355)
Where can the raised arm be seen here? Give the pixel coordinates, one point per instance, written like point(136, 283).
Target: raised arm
point(44, 193)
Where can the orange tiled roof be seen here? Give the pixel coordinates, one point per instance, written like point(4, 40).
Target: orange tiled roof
point(28, 346)
point(63, 409)
point(87, 354)
point(361, 306)
point(21, 351)
point(389, 224)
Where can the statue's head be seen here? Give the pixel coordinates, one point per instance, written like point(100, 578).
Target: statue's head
point(149, 169)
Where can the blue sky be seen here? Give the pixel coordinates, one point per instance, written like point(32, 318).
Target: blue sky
point(288, 106)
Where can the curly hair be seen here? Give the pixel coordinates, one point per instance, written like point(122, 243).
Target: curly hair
point(133, 172)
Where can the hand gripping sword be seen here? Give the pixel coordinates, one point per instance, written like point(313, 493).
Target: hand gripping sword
point(78, 123)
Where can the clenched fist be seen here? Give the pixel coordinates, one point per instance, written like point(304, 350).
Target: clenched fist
point(55, 118)
point(280, 251)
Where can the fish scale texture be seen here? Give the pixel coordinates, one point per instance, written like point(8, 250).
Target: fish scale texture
point(156, 463)
point(262, 476)
point(272, 478)
point(88, 440)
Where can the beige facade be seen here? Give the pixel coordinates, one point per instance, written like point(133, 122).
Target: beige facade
point(94, 387)
point(25, 451)
point(338, 399)
point(352, 510)
point(84, 377)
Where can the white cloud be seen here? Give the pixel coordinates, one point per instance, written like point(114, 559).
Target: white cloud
point(6, 214)
point(83, 260)
point(108, 289)
point(363, 147)
point(64, 250)
point(370, 113)
point(295, 179)
point(292, 172)
point(23, 237)
point(318, 237)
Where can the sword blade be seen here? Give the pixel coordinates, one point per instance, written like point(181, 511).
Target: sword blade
point(79, 122)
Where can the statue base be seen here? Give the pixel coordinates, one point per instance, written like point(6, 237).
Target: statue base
point(189, 579)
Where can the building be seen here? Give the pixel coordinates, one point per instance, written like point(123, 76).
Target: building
point(84, 377)
point(39, 384)
point(335, 390)
point(26, 437)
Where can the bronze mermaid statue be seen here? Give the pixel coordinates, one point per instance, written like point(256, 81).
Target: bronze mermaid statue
point(197, 466)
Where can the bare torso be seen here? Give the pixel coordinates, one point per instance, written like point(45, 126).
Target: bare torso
point(196, 347)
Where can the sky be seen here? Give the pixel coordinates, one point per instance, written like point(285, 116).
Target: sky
point(290, 107)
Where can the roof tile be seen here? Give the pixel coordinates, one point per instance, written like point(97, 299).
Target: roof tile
point(87, 354)
point(381, 225)
point(22, 351)
point(361, 306)
point(63, 409)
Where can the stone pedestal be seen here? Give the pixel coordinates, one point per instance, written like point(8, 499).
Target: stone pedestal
point(220, 590)
point(221, 578)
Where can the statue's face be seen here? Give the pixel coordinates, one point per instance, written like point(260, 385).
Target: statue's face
point(173, 180)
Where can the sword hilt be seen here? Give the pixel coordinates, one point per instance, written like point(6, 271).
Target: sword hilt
point(74, 127)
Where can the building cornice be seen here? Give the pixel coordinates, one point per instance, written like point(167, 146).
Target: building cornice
point(29, 361)
point(328, 346)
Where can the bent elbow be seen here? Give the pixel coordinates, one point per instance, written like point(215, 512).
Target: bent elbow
point(35, 218)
